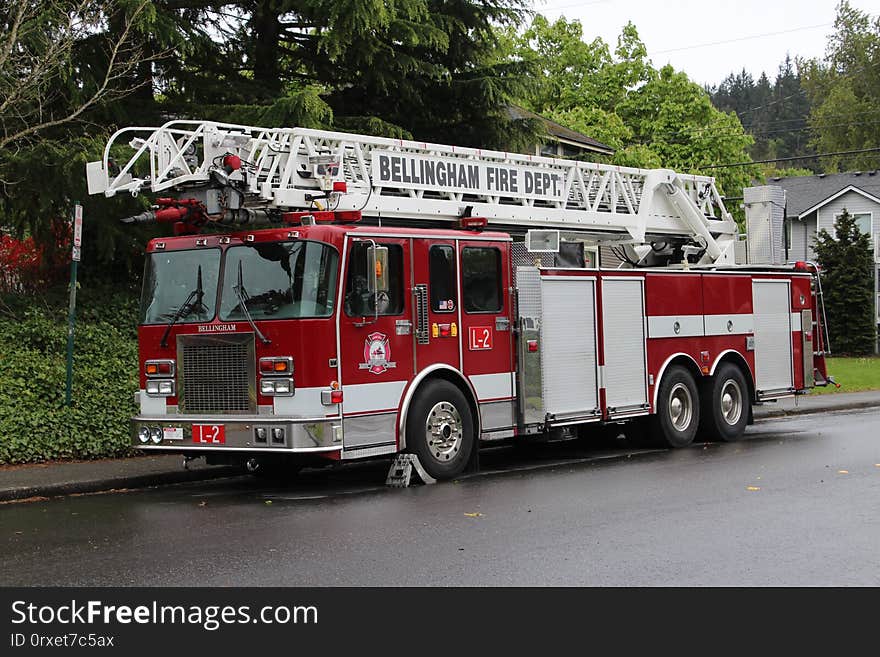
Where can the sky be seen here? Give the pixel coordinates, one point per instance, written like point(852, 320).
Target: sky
point(709, 39)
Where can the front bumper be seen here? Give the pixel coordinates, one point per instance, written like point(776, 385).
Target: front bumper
point(238, 433)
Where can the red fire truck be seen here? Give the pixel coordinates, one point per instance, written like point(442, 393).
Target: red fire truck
point(426, 299)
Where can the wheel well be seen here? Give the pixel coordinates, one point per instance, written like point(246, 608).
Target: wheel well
point(444, 374)
point(679, 359)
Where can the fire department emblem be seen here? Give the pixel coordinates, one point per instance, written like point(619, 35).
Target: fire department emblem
point(377, 354)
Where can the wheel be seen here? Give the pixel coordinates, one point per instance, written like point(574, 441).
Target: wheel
point(726, 405)
point(677, 415)
point(440, 429)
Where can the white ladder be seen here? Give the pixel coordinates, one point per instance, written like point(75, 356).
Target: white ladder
point(400, 179)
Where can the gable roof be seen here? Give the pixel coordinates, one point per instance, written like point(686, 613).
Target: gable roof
point(851, 188)
point(808, 193)
point(560, 132)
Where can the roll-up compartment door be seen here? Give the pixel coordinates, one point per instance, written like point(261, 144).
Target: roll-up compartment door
point(568, 346)
point(623, 317)
point(773, 358)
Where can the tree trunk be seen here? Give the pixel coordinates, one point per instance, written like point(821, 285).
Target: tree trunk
point(267, 29)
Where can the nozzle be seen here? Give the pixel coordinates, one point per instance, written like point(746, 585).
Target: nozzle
point(142, 218)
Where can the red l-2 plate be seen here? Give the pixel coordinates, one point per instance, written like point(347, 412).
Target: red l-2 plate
point(209, 434)
point(480, 338)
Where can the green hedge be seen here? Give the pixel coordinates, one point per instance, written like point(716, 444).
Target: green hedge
point(35, 425)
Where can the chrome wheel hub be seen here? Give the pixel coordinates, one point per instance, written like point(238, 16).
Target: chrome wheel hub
point(681, 407)
point(731, 402)
point(443, 431)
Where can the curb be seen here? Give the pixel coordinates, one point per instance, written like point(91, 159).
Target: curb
point(117, 483)
point(771, 414)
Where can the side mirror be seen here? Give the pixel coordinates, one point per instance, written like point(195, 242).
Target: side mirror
point(377, 268)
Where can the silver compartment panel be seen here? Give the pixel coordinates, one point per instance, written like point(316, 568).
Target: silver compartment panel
point(568, 347)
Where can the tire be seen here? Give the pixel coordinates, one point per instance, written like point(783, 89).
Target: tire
point(726, 405)
point(677, 416)
point(440, 429)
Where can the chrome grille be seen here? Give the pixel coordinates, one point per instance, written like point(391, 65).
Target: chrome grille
point(216, 374)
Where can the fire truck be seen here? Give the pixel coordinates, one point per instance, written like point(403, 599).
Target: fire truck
point(329, 296)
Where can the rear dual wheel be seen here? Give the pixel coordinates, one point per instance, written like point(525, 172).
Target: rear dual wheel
point(726, 405)
point(677, 415)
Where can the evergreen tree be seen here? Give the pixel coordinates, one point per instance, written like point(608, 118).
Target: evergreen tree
point(847, 262)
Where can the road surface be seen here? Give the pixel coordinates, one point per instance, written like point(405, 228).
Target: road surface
point(797, 503)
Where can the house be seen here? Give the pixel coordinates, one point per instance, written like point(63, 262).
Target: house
point(810, 204)
point(559, 141)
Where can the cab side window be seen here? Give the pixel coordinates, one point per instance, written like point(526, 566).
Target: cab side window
point(441, 263)
point(481, 279)
point(359, 300)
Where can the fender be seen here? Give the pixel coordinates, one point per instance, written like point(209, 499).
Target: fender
point(731, 351)
point(413, 386)
point(742, 360)
point(663, 370)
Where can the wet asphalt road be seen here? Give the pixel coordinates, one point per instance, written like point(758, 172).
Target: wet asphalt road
point(798, 503)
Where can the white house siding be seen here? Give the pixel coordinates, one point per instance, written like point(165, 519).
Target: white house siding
point(854, 203)
point(803, 234)
point(810, 223)
point(797, 248)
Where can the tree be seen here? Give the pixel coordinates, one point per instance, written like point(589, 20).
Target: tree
point(776, 114)
point(40, 85)
point(652, 118)
point(844, 88)
point(847, 263)
point(63, 63)
point(73, 70)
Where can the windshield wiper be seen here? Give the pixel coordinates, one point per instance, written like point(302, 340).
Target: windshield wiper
point(193, 301)
point(243, 298)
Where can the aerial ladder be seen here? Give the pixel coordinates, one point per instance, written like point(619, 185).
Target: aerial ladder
point(228, 174)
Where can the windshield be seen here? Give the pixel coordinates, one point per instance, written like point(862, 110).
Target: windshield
point(170, 279)
point(279, 280)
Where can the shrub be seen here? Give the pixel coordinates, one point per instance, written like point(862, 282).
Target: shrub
point(35, 424)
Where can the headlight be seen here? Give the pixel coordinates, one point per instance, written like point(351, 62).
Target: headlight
point(276, 387)
point(160, 387)
point(156, 435)
point(144, 435)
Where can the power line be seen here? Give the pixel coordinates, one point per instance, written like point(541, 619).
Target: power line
point(790, 159)
point(738, 39)
point(572, 5)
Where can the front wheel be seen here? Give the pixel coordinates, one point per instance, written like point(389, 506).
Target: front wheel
point(726, 405)
point(677, 415)
point(440, 429)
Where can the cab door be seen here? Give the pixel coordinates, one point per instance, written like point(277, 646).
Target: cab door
point(376, 341)
point(485, 311)
point(435, 267)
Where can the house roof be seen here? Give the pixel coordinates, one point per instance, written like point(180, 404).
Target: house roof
point(808, 193)
point(560, 132)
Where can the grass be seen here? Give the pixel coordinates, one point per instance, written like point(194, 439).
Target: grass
point(853, 375)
